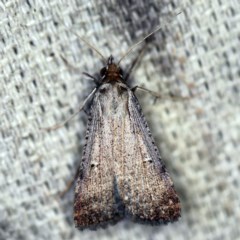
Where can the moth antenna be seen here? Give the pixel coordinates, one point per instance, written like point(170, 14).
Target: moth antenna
point(90, 46)
point(141, 41)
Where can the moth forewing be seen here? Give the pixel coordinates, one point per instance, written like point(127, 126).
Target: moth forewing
point(121, 173)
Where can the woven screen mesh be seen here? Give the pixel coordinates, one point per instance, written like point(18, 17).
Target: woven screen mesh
point(196, 53)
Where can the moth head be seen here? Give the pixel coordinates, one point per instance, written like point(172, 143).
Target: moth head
point(111, 71)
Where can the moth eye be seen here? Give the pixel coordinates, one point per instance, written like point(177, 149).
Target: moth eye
point(103, 71)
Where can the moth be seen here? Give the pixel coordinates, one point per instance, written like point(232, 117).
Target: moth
point(121, 174)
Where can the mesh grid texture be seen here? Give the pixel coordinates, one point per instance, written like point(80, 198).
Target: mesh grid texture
point(196, 53)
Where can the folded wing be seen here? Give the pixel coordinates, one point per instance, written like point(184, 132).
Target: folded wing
point(144, 185)
point(121, 173)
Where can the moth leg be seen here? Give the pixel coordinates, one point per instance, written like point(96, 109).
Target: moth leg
point(96, 81)
point(54, 127)
point(69, 65)
point(76, 68)
point(157, 95)
point(69, 185)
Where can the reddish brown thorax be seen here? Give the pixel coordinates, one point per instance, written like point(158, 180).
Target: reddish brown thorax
point(112, 72)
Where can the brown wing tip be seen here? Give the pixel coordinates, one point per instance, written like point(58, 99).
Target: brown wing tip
point(93, 222)
point(97, 219)
point(157, 215)
point(156, 210)
point(93, 216)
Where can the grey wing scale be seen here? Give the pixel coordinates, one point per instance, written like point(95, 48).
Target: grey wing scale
point(95, 201)
point(121, 173)
point(145, 187)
